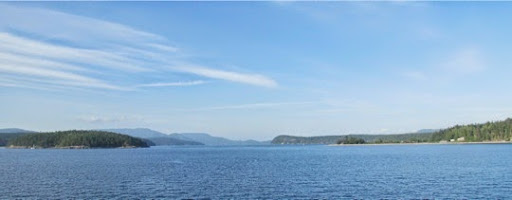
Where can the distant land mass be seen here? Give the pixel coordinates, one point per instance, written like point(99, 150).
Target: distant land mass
point(334, 139)
point(136, 132)
point(162, 141)
point(156, 138)
point(289, 139)
point(151, 137)
point(218, 141)
point(14, 130)
point(159, 138)
point(76, 139)
point(499, 131)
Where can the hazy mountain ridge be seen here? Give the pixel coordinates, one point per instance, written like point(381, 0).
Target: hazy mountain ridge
point(137, 132)
point(160, 138)
point(180, 136)
point(161, 141)
point(207, 139)
point(157, 138)
point(15, 130)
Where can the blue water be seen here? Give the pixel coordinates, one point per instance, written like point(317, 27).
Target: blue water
point(268, 172)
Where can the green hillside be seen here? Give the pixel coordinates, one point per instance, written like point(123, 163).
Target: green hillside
point(490, 131)
point(5, 137)
point(76, 138)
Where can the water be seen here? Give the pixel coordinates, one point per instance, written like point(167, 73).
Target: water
point(275, 172)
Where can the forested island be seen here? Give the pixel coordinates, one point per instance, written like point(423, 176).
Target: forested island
point(76, 139)
point(354, 139)
point(499, 131)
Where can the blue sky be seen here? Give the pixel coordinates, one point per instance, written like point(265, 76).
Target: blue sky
point(254, 69)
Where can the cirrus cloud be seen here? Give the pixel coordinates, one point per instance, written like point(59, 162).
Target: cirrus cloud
point(56, 49)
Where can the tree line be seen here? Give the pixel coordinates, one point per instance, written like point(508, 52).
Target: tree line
point(85, 138)
point(490, 131)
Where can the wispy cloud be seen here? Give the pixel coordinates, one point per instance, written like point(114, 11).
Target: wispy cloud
point(32, 61)
point(53, 74)
point(108, 119)
point(173, 84)
point(257, 105)
point(58, 53)
point(467, 60)
point(16, 84)
point(63, 49)
point(164, 47)
point(50, 24)
point(39, 70)
point(253, 79)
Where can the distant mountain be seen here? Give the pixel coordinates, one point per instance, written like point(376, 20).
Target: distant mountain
point(218, 141)
point(180, 136)
point(137, 132)
point(161, 141)
point(427, 130)
point(14, 130)
point(156, 138)
point(205, 138)
point(159, 138)
point(255, 142)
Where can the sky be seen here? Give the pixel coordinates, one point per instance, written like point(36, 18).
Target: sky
point(254, 70)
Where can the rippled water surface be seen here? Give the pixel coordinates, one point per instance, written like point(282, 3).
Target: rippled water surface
point(289, 172)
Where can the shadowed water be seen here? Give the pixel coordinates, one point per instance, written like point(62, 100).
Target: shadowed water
point(290, 172)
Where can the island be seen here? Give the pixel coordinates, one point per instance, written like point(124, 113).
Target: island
point(489, 132)
point(76, 139)
point(355, 139)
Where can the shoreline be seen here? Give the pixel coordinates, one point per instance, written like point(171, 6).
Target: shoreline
point(426, 143)
point(71, 147)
